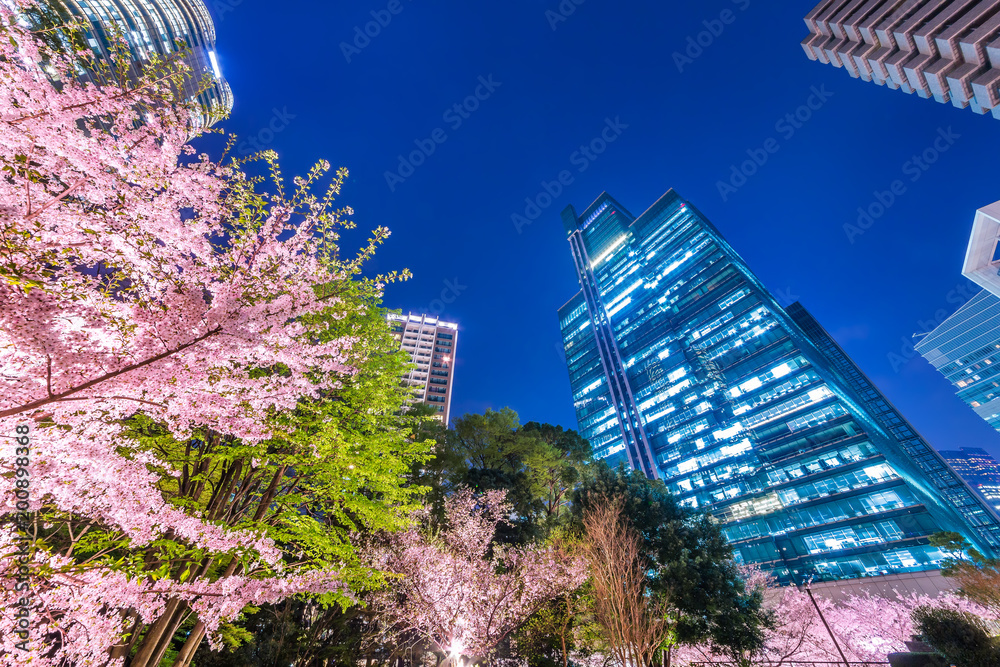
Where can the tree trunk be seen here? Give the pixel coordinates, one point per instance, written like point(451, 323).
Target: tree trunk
point(190, 645)
point(154, 645)
point(156, 642)
point(122, 650)
point(198, 632)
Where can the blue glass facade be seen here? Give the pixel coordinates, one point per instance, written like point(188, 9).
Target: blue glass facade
point(684, 366)
point(965, 348)
point(153, 28)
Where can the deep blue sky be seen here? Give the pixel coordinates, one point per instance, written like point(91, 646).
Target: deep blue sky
point(451, 219)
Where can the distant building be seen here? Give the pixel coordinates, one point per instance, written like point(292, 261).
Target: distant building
point(979, 469)
point(155, 27)
point(430, 342)
point(945, 50)
point(684, 366)
point(965, 348)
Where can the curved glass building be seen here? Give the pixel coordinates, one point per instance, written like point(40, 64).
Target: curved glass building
point(683, 365)
point(155, 27)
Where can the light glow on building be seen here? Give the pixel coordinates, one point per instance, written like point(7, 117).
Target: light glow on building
point(744, 408)
point(431, 344)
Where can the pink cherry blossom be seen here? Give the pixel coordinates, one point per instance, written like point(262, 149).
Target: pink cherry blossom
point(80, 615)
point(867, 626)
point(136, 275)
point(462, 594)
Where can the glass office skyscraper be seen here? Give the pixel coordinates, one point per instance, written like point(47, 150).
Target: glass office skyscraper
point(684, 366)
point(154, 28)
point(965, 348)
point(979, 469)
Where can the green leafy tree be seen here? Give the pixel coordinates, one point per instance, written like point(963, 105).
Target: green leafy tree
point(562, 631)
point(978, 577)
point(692, 577)
point(489, 440)
point(959, 636)
point(740, 628)
point(537, 464)
point(559, 462)
point(335, 467)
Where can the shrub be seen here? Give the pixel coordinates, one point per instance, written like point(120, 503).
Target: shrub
point(959, 636)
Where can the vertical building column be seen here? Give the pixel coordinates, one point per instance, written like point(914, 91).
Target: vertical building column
point(640, 454)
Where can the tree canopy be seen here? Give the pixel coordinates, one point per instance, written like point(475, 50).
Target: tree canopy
point(691, 569)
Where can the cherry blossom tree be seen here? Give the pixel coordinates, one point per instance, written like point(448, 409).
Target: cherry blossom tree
point(78, 611)
point(867, 626)
point(141, 280)
point(871, 626)
point(460, 592)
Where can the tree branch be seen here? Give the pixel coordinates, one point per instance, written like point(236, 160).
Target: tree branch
point(54, 398)
point(65, 193)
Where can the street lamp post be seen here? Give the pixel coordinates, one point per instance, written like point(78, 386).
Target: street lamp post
point(819, 612)
point(827, 626)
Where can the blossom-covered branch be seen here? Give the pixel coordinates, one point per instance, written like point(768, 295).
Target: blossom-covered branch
point(458, 590)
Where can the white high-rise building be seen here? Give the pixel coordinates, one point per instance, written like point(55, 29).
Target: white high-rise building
point(982, 259)
point(965, 348)
point(430, 342)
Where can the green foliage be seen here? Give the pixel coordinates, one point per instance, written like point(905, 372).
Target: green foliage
point(234, 636)
point(295, 632)
point(977, 576)
point(958, 636)
point(691, 562)
point(540, 640)
point(564, 627)
point(537, 464)
point(739, 629)
point(561, 460)
point(960, 552)
point(949, 541)
point(489, 440)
